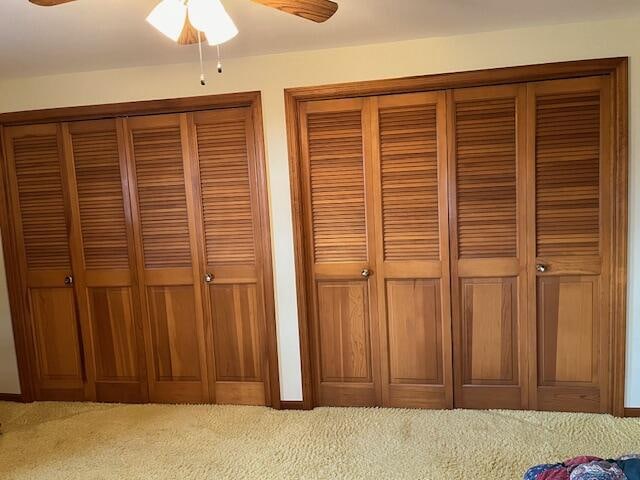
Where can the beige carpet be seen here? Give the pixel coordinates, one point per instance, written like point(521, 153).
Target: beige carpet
point(89, 441)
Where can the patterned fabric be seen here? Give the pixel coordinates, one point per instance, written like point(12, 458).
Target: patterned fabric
point(557, 473)
point(533, 472)
point(575, 461)
point(598, 471)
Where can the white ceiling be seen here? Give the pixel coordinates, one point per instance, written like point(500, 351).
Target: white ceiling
point(101, 34)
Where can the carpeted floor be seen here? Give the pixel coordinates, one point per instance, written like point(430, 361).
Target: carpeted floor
point(95, 441)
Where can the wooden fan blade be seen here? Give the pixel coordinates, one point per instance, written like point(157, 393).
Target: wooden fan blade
point(189, 34)
point(316, 10)
point(49, 3)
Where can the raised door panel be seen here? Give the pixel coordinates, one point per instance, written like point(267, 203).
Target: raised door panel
point(570, 160)
point(487, 146)
point(415, 334)
point(165, 236)
point(489, 329)
point(39, 205)
point(345, 343)
point(335, 138)
point(226, 173)
point(54, 320)
point(105, 270)
point(412, 244)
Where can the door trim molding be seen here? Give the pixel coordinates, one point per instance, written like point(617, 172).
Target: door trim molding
point(615, 68)
point(253, 100)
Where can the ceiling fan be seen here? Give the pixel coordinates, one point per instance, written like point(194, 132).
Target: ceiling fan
point(170, 15)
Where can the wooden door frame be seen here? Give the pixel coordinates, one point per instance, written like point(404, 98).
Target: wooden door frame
point(252, 100)
point(615, 68)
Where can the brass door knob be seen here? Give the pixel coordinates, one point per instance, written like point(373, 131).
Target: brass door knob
point(541, 267)
point(208, 277)
point(68, 280)
point(366, 273)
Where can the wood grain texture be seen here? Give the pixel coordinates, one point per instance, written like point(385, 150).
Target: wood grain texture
point(318, 11)
point(38, 194)
point(567, 174)
point(58, 345)
point(409, 170)
point(409, 165)
point(509, 267)
point(162, 197)
point(165, 241)
point(42, 207)
point(107, 287)
point(225, 187)
point(102, 214)
point(337, 186)
point(336, 153)
point(570, 152)
point(486, 152)
point(488, 230)
point(49, 3)
point(228, 201)
point(102, 251)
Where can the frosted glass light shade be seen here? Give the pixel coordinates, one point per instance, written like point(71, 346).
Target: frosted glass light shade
point(210, 17)
point(169, 17)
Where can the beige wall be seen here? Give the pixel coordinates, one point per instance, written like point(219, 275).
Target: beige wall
point(272, 74)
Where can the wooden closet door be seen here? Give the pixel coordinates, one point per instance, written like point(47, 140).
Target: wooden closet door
point(488, 259)
point(103, 259)
point(342, 273)
point(410, 165)
point(165, 234)
point(38, 200)
point(570, 225)
point(226, 181)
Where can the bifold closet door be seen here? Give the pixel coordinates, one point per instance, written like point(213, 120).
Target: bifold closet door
point(570, 242)
point(410, 195)
point(166, 247)
point(226, 179)
point(336, 137)
point(488, 238)
point(39, 204)
point(104, 260)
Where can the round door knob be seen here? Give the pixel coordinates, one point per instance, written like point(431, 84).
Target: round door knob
point(208, 277)
point(366, 273)
point(68, 280)
point(541, 268)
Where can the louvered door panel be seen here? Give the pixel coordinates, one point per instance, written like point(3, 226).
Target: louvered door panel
point(488, 261)
point(105, 270)
point(409, 171)
point(39, 207)
point(571, 206)
point(160, 182)
point(413, 248)
point(161, 196)
point(227, 167)
point(337, 186)
point(336, 154)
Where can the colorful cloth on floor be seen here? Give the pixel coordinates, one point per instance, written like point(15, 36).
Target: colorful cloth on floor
point(557, 473)
point(534, 472)
point(598, 471)
point(627, 467)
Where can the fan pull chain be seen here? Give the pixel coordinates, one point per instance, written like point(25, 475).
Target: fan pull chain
point(219, 59)
point(202, 79)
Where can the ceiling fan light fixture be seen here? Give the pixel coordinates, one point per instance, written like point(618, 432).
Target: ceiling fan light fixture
point(210, 17)
point(168, 17)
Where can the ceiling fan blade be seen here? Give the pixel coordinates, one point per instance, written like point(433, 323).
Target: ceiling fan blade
point(49, 3)
point(316, 10)
point(189, 34)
